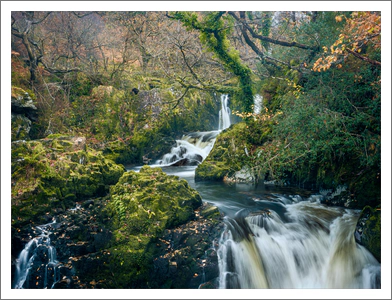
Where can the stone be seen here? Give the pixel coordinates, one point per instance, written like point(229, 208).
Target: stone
point(368, 230)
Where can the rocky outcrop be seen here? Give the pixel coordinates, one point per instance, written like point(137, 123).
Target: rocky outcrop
point(55, 172)
point(23, 112)
point(187, 255)
point(152, 231)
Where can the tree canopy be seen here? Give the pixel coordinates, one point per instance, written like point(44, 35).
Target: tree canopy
point(319, 74)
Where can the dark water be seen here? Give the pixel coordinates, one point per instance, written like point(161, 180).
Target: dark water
point(231, 198)
point(279, 238)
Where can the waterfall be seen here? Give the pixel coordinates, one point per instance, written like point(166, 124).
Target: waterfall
point(194, 147)
point(37, 265)
point(224, 113)
point(257, 104)
point(314, 248)
point(191, 150)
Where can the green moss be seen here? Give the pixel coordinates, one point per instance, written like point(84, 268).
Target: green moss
point(212, 171)
point(234, 148)
point(52, 172)
point(20, 127)
point(142, 205)
point(371, 235)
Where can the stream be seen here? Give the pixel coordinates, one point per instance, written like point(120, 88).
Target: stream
point(275, 237)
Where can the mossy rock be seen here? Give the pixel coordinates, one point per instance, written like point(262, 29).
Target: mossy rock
point(142, 206)
point(368, 231)
point(122, 153)
point(232, 151)
point(211, 171)
point(20, 127)
point(55, 172)
point(152, 197)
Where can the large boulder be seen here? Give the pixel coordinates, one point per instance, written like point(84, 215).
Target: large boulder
point(227, 157)
point(141, 207)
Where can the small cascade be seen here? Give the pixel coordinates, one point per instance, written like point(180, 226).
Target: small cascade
point(191, 150)
point(257, 104)
point(224, 113)
point(194, 147)
point(37, 265)
point(313, 248)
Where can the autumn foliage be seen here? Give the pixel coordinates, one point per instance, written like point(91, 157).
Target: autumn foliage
point(360, 37)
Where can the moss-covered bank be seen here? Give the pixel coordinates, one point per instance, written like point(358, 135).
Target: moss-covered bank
point(53, 173)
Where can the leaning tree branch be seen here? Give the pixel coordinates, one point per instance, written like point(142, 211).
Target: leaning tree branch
point(177, 101)
point(82, 15)
point(59, 71)
point(242, 20)
point(189, 67)
point(364, 58)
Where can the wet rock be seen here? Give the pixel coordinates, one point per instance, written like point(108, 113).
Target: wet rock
point(97, 249)
point(21, 103)
point(86, 204)
point(192, 247)
point(23, 113)
point(368, 230)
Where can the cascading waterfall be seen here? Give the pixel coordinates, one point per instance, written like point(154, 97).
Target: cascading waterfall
point(194, 147)
point(191, 150)
point(257, 104)
point(224, 113)
point(38, 260)
point(313, 248)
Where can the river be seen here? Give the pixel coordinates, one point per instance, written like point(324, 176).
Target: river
point(278, 237)
point(275, 237)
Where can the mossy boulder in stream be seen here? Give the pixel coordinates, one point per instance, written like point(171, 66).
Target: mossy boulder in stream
point(141, 207)
point(52, 173)
point(234, 151)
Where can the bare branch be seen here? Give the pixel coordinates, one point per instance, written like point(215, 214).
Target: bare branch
point(179, 99)
point(364, 58)
point(267, 39)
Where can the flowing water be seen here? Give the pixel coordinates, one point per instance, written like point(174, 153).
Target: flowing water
point(224, 113)
point(275, 237)
point(194, 147)
point(278, 238)
point(258, 104)
point(38, 260)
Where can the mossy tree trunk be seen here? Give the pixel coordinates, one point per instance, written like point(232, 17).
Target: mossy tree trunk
point(213, 33)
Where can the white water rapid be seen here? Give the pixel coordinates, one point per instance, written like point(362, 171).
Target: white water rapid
point(38, 258)
point(194, 147)
point(313, 248)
